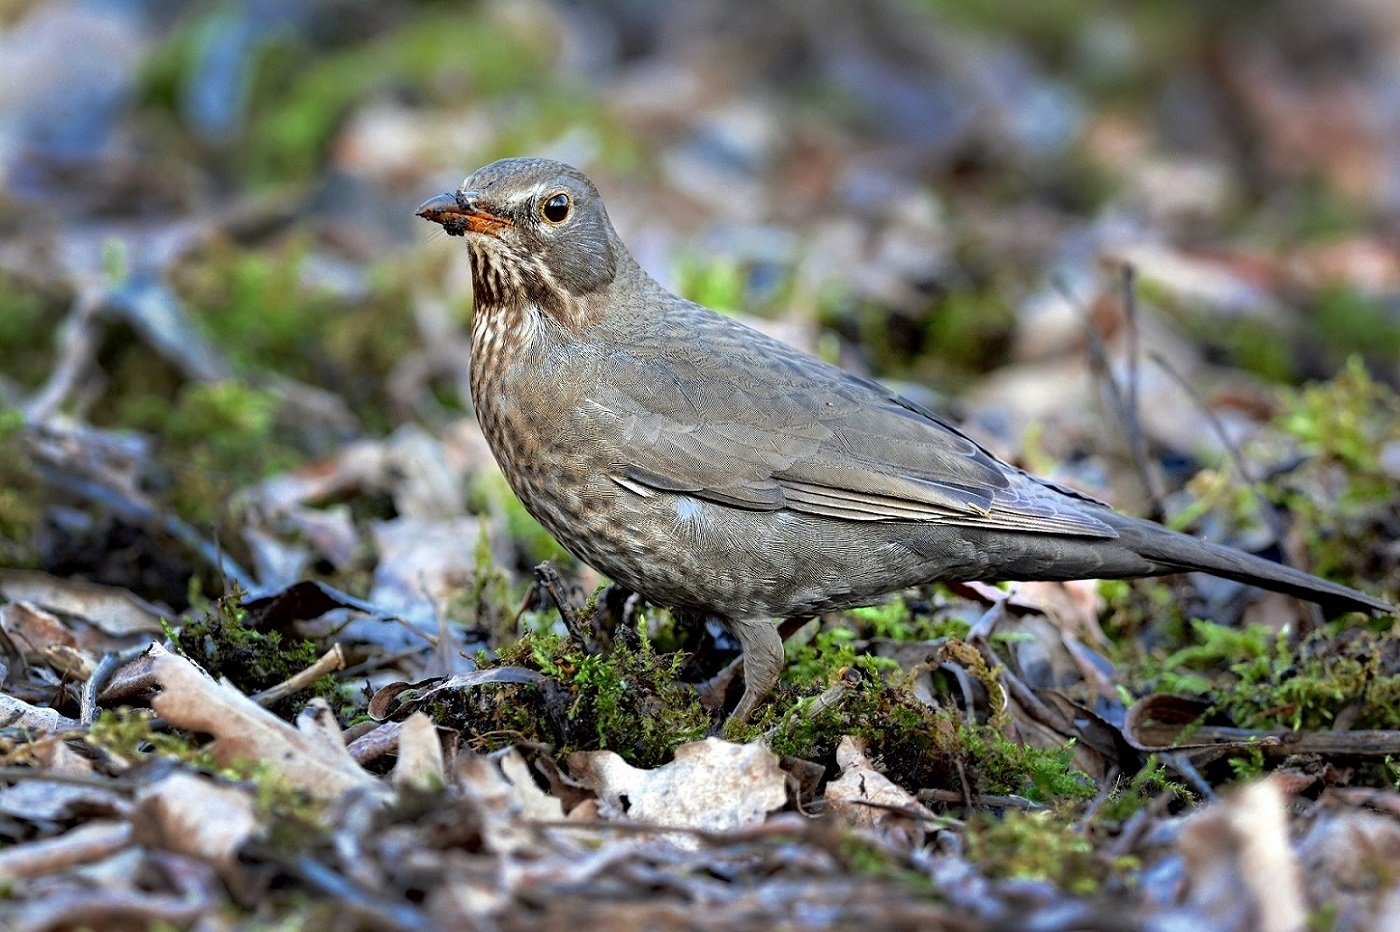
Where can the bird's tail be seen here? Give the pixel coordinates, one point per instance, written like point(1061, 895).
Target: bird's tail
point(1178, 551)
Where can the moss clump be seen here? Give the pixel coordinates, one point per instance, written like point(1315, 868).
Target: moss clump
point(27, 321)
point(1337, 492)
point(720, 284)
point(1352, 322)
point(21, 495)
point(837, 646)
point(862, 858)
point(299, 101)
point(218, 437)
point(905, 620)
point(968, 333)
point(922, 746)
point(820, 661)
point(630, 701)
point(128, 735)
point(1039, 846)
point(224, 644)
point(1342, 498)
point(1149, 783)
point(291, 815)
point(1260, 680)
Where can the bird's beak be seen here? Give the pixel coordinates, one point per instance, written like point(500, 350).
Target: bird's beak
point(461, 215)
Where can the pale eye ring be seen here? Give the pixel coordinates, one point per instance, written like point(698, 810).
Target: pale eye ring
point(556, 208)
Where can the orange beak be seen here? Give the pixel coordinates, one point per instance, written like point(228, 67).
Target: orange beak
point(461, 216)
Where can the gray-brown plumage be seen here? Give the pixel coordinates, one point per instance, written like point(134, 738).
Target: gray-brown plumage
point(712, 468)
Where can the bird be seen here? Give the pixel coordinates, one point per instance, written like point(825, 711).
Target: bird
point(713, 469)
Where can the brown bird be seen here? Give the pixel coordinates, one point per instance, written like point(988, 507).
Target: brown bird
point(711, 468)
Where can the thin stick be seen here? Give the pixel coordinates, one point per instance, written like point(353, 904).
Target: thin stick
point(549, 578)
point(329, 662)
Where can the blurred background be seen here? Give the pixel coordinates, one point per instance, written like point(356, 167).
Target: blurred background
point(225, 341)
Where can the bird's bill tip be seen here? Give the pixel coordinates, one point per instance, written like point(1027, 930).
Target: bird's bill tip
point(438, 208)
point(459, 218)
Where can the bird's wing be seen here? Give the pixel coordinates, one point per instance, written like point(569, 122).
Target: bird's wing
point(755, 424)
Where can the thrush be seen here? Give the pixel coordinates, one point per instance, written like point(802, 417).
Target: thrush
point(713, 469)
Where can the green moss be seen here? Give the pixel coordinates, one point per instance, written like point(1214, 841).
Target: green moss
point(820, 660)
point(719, 283)
point(21, 495)
point(216, 438)
point(1351, 322)
point(968, 333)
point(290, 815)
point(1347, 419)
point(128, 733)
point(259, 309)
point(630, 701)
point(221, 642)
point(897, 621)
point(863, 858)
point(1040, 846)
point(1342, 498)
point(1260, 680)
point(299, 100)
point(607, 691)
point(1147, 785)
point(27, 321)
point(920, 746)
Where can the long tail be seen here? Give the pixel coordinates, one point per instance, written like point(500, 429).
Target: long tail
point(1178, 551)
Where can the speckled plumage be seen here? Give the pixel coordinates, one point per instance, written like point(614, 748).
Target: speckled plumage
point(709, 467)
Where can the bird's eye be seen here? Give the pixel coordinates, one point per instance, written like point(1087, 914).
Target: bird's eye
point(556, 209)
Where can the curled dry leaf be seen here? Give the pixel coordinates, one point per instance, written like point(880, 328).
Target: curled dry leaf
point(712, 785)
point(507, 797)
point(310, 756)
point(114, 611)
point(16, 713)
point(420, 753)
point(865, 798)
point(195, 816)
point(1241, 871)
point(33, 630)
point(88, 842)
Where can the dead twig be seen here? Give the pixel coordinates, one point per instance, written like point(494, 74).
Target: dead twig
point(553, 584)
point(329, 662)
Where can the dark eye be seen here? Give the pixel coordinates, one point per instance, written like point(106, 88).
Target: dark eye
point(556, 209)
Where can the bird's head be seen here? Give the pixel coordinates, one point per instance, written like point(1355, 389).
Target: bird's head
point(536, 230)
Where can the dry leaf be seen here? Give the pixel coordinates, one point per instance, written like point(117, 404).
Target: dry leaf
point(311, 756)
point(865, 798)
point(113, 610)
point(16, 713)
point(195, 816)
point(711, 785)
point(1240, 868)
point(420, 753)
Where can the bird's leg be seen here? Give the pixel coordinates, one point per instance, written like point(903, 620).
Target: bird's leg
point(762, 650)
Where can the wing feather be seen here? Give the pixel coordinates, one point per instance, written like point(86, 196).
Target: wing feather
point(812, 438)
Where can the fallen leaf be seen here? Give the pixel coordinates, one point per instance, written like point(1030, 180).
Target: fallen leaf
point(196, 816)
point(711, 785)
point(115, 611)
point(864, 798)
point(420, 753)
point(1241, 870)
point(310, 756)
